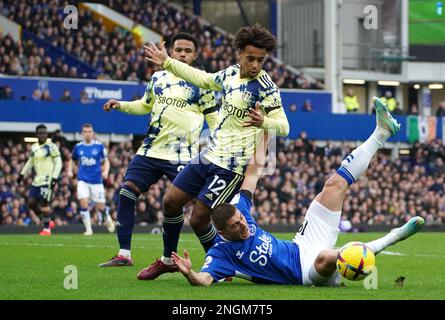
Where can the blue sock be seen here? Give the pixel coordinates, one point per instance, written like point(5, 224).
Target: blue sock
point(208, 237)
point(126, 216)
point(171, 229)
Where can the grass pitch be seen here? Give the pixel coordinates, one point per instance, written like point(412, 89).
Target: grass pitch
point(32, 267)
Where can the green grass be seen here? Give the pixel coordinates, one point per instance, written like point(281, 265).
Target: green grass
point(425, 26)
point(32, 267)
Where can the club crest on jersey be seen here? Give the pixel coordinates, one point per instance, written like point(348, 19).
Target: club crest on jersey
point(247, 96)
point(188, 91)
point(94, 152)
point(252, 229)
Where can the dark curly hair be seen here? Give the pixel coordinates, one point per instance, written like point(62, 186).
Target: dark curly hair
point(256, 36)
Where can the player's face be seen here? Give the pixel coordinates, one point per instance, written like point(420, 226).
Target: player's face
point(42, 135)
point(184, 50)
point(236, 228)
point(87, 134)
point(251, 61)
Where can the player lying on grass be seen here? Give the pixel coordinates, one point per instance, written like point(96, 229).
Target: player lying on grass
point(244, 250)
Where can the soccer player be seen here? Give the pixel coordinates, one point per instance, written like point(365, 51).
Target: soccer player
point(46, 161)
point(244, 250)
point(90, 155)
point(251, 104)
point(177, 112)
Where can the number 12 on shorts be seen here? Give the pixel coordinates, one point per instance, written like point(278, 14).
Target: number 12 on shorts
point(220, 185)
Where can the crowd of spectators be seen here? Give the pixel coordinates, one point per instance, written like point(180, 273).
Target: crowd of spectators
point(391, 191)
point(115, 54)
point(26, 59)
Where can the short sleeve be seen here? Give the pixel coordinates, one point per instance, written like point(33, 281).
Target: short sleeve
point(104, 153)
point(218, 266)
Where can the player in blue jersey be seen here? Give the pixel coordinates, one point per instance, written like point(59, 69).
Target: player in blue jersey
point(93, 167)
point(244, 250)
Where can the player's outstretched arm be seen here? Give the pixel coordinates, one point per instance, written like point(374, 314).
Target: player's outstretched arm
point(137, 107)
point(185, 267)
point(180, 69)
point(256, 165)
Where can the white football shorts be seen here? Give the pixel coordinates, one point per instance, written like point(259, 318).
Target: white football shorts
point(95, 192)
point(319, 232)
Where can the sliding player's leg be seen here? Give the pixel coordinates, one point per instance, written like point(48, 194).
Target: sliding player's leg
point(320, 229)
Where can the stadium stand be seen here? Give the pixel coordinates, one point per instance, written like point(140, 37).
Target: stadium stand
point(391, 192)
point(116, 55)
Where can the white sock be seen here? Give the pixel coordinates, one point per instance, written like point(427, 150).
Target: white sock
point(86, 219)
point(378, 245)
point(125, 253)
point(358, 161)
point(167, 261)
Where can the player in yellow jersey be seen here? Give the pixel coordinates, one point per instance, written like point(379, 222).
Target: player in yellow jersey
point(251, 104)
point(46, 162)
point(177, 110)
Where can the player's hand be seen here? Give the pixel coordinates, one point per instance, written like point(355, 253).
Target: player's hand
point(20, 179)
point(70, 174)
point(105, 175)
point(111, 104)
point(256, 117)
point(53, 184)
point(154, 54)
point(184, 264)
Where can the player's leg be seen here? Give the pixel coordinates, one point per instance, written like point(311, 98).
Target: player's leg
point(141, 173)
point(200, 221)
point(221, 186)
point(33, 197)
point(173, 202)
point(185, 187)
point(45, 209)
point(83, 194)
point(395, 235)
point(323, 217)
point(98, 196)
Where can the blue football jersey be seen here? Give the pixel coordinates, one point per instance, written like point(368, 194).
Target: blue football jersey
point(261, 258)
point(89, 158)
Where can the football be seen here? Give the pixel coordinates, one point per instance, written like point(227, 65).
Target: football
point(355, 261)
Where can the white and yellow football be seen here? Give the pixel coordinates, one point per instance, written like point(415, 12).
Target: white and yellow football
point(355, 261)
